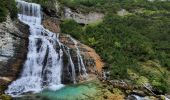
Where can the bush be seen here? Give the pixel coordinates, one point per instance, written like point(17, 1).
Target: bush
point(11, 5)
point(3, 11)
point(123, 42)
point(7, 6)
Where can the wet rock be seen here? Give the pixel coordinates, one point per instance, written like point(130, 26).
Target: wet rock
point(91, 59)
point(138, 92)
point(167, 96)
point(137, 97)
point(131, 98)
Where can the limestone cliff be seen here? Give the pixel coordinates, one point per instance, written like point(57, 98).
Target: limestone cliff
point(13, 49)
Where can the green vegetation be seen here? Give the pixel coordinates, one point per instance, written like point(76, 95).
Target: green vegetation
point(5, 97)
point(3, 11)
point(7, 6)
point(114, 5)
point(91, 5)
point(129, 42)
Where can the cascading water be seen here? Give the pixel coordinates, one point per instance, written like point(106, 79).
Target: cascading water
point(42, 69)
point(72, 66)
point(44, 63)
point(80, 59)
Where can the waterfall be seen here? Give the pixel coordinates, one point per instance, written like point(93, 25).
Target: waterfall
point(72, 66)
point(80, 60)
point(43, 66)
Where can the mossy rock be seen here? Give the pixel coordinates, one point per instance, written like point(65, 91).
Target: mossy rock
point(5, 97)
point(2, 88)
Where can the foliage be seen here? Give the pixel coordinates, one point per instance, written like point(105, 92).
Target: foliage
point(72, 27)
point(11, 5)
point(112, 6)
point(7, 6)
point(3, 11)
point(124, 42)
point(90, 5)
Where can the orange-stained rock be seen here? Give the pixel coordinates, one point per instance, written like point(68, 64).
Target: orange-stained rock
point(51, 24)
point(91, 53)
point(91, 59)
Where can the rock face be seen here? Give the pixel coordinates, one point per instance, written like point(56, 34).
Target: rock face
point(123, 12)
point(82, 18)
point(13, 49)
point(51, 23)
point(91, 59)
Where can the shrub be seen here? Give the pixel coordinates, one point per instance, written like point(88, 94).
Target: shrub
point(123, 42)
point(7, 6)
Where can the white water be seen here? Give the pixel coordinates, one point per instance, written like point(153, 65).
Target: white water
point(138, 97)
point(80, 60)
point(44, 63)
point(42, 69)
point(72, 66)
point(145, 98)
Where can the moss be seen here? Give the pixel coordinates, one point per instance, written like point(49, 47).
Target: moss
point(2, 88)
point(5, 97)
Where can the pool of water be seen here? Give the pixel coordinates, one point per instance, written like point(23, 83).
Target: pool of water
point(74, 92)
point(84, 91)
